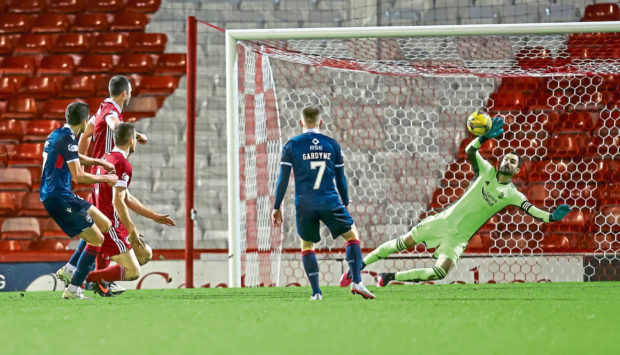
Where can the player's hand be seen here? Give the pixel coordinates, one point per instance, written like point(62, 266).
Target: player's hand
point(560, 212)
point(142, 139)
point(109, 167)
point(276, 218)
point(497, 128)
point(164, 219)
point(134, 239)
point(111, 179)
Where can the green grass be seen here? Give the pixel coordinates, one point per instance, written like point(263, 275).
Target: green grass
point(559, 318)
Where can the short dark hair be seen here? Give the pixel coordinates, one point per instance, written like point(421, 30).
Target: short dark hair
point(117, 85)
point(123, 132)
point(76, 112)
point(311, 113)
point(518, 156)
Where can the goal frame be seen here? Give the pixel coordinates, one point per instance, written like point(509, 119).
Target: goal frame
point(232, 117)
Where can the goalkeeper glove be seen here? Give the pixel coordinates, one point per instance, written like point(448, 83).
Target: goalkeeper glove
point(497, 128)
point(560, 212)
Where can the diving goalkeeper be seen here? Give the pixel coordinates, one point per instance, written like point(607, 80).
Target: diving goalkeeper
point(450, 230)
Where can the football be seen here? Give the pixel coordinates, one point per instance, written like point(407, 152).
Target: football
point(479, 123)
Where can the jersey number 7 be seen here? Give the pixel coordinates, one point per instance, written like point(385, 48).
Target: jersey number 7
point(319, 177)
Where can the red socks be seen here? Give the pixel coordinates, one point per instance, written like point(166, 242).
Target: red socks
point(101, 262)
point(112, 273)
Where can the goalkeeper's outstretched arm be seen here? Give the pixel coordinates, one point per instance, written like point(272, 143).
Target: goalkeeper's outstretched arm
point(560, 212)
point(476, 160)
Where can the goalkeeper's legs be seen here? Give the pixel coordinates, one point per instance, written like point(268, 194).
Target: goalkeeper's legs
point(437, 272)
point(384, 250)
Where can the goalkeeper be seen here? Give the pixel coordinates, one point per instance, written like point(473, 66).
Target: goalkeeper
point(450, 230)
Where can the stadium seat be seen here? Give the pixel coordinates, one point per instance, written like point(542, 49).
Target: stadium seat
point(72, 43)
point(93, 64)
point(67, 6)
point(22, 65)
point(10, 131)
point(129, 21)
point(56, 64)
point(609, 219)
point(575, 221)
point(568, 145)
point(147, 42)
point(90, 23)
point(555, 243)
point(28, 154)
point(10, 245)
point(101, 86)
point(6, 44)
point(171, 64)
point(107, 6)
point(20, 108)
point(30, 205)
point(78, 86)
point(49, 229)
point(14, 23)
point(15, 179)
point(602, 12)
point(9, 86)
point(134, 64)
point(519, 84)
point(20, 228)
point(94, 104)
point(508, 101)
point(37, 131)
point(141, 107)
point(55, 109)
point(110, 43)
point(27, 6)
point(158, 85)
point(536, 57)
point(575, 122)
point(54, 243)
point(35, 173)
point(4, 155)
point(51, 23)
point(145, 6)
point(7, 207)
point(41, 87)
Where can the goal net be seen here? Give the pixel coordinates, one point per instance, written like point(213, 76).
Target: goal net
point(398, 106)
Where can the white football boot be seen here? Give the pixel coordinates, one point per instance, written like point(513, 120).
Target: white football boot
point(116, 289)
point(65, 276)
point(316, 297)
point(78, 295)
point(360, 289)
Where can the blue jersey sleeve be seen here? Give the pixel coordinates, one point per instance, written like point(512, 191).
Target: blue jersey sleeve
point(341, 180)
point(68, 149)
point(285, 171)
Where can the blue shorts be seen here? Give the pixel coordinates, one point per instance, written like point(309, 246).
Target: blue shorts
point(70, 213)
point(337, 219)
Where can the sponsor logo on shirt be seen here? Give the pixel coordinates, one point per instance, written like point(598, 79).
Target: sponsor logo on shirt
point(73, 148)
point(488, 198)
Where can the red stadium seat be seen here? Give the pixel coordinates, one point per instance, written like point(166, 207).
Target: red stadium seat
point(9, 85)
point(23, 65)
point(14, 23)
point(28, 154)
point(534, 58)
point(109, 43)
point(90, 23)
point(55, 109)
point(101, 86)
point(141, 107)
point(50, 23)
point(78, 86)
point(27, 6)
point(54, 243)
point(35, 173)
point(92, 64)
point(30, 205)
point(171, 64)
point(148, 42)
point(42, 87)
point(7, 207)
point(37, 131)
point(20, 108)
point(146, 6)
point(56, 64)
point(569, 145)
point(555, 243)
point(609, 219)
point(537, 194)
point(158, 85)
point(20, 228)
point(49, 229)
point(129, 21)
point(4, 155)
point(10, 131)
point(107, 6)
point(519, 84)
point(576, 221)
point(10, 245)
point(67, 6)
point(575, 122)
point(72, 43)
point(602, 12)
point(508, 101)
point(94, 104)
point(134, 63)
point(15, 179)
point(6, 44)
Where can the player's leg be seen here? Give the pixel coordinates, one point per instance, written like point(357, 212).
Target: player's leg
point(384, 250)
point(308, 225)
point(354, 259)
point(311, 266)
point(144, 254)
point(439, 271)
point(127, 268)
point(94, 240)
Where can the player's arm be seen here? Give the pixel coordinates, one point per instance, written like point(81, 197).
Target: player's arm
point(119, 195)
point(79, 176)
point(477, 162)
point(88, 161)
point(285, 172)
point(135, 205)
point(540, 215)
point(86, 137)
point(341, 179)
point(112, 120)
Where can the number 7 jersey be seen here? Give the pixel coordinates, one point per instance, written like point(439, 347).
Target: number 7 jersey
point(314, 158)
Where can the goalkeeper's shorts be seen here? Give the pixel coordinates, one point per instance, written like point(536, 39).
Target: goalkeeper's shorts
point(437, 234)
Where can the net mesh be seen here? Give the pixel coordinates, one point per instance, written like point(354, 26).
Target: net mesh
point(397, 107)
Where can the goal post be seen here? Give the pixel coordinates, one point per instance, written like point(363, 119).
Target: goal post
point(355, 75)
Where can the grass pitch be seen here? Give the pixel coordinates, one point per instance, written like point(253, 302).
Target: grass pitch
point(559, 318)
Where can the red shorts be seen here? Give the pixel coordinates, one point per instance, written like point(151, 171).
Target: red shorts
point(115, 242)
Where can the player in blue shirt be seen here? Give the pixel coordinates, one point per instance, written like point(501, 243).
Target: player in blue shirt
point(316, 161)
point(75, 216)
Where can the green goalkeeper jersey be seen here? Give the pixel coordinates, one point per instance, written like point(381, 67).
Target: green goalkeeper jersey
point(484, 197)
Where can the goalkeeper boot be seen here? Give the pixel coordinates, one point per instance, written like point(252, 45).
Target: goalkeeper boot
point(116, 289)
point(385, 278)
point(316, 297)
point(102, 288)
point(77, 295)
point(65, 276)
point(346, 279)
point(360, 289)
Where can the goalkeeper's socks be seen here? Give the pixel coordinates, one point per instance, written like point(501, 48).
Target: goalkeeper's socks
point(312, 269)
point(425, 274)
point(354, 259)
point(112, 273)
point(384, 250)
point(72, 264)
point(85, 262)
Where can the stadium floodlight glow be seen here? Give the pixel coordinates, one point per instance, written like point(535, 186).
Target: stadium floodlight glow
point(287, 45)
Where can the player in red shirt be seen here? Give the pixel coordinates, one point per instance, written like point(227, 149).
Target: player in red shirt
point(123, 242)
